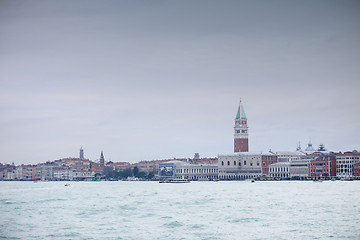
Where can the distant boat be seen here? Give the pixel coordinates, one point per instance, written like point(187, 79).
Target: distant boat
point(175, 181)
point(214, 179)
point(132, 179)
point(317, 180)
point(250, 180)
point(67, 185)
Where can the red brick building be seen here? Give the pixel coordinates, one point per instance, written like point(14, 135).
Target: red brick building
point(28, 172)
point(356, 169)
point(266, 161)
point(96, 167)
point(323, 166)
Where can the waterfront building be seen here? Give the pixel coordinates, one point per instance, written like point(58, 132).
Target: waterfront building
point(18, 173)
point(81, 175)
point(323, 166)
point(10, 175)
point(61, 173)
point(76, 163)
point(345, 164)
point(357, 170)
point(310, 156)
point(3, 174)
point(146, 167)
point(266, 161)
point(240, 166)
point(95, 167)
point(185, 170)
point(241, 141)
point(288, 156)
point(299, 169)
point(44, 171)
point(28, 172)
point(280, 170)
point(121, 166)
point(204, 161)
point(7, 172)
point(200, 172)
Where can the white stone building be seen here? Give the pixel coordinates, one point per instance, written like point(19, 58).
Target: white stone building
point(239, 166)
point(44, 172)
point(280, 170)
point(287, 156)
point(184, 170)
point(299, 169)
point(81, 175)
point(345, 164)
point(61, 173)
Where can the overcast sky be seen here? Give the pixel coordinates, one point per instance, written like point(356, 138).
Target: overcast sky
point(144, 80)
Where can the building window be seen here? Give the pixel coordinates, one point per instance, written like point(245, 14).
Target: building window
point(251, 163)
point(228, 163)
point(244, 162)
point(258, 164)
point(222, 163)
point(239, 163)
point(234, 163)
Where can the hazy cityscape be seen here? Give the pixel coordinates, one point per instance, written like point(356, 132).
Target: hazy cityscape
point(179, 120)
point(303, 164)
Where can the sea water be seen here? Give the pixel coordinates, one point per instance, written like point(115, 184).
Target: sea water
point(196, 210)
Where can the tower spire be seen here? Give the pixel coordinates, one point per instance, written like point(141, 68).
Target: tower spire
point(81, 153)
point(241, 112)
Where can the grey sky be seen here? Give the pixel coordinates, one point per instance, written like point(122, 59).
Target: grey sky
point(145, 80)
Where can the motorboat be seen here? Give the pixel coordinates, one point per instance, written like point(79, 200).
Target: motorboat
point(174, 181)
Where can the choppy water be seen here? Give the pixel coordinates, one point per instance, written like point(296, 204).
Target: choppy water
point(196, 210)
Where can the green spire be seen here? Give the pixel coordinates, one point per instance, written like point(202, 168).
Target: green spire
point(240, 112)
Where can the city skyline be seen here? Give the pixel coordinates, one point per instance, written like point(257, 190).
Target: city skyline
point(156, 80)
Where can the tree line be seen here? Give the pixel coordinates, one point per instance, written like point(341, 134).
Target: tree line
point(110, 173)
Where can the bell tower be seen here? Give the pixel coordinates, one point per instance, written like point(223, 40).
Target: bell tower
point(102, 159)
point(81, 153)
point(241, 141)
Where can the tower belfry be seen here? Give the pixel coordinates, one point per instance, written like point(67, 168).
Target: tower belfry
point(241, 139)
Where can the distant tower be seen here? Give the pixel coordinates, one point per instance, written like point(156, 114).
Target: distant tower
point(241, 141)
point(81, 153)
point(298, 148)
point(102, 160)
point(309, 147)
point(322, 148)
